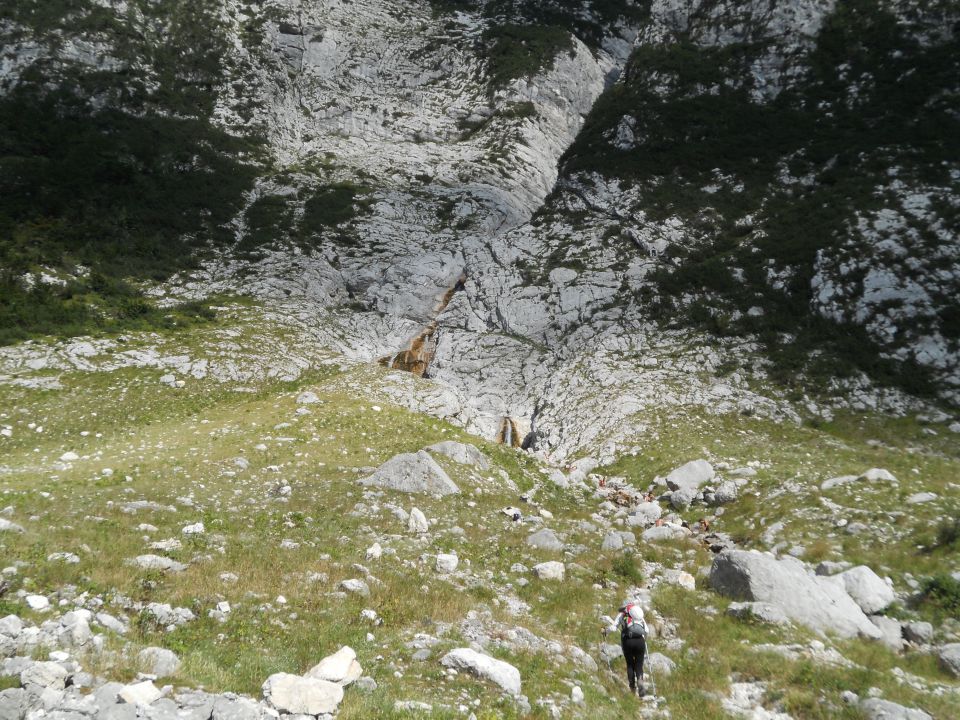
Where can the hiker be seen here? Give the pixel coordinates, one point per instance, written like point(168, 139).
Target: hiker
point(633, 640)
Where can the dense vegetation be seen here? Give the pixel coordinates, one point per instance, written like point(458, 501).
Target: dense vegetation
point(713, 155)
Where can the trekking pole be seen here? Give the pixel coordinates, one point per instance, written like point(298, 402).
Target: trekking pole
point(653, 681)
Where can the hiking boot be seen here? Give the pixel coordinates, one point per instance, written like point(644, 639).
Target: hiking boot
point(633, 689)
point(640, 691)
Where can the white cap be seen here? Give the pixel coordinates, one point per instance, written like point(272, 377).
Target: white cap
point(636, 612)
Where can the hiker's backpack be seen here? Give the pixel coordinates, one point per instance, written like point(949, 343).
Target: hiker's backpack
point(633, 625)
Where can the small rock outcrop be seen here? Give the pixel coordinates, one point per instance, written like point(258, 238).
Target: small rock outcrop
point(412, 473)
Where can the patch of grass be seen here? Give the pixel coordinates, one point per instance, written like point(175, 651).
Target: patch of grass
point(625, 567)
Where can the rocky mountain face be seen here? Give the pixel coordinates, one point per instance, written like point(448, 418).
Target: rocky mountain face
point(761, 191)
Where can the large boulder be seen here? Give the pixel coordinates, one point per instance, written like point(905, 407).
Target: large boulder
point(295, 694)
point(867, 589)
point(950, 658)
point(691, 475)
point(341, 668)
point(461, 453)
point(412, 473)
point(817, 602)
point(483, 666)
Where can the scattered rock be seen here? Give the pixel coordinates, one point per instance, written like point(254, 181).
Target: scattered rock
point(355, 586)
point(877, 709)
point(660, 664)
point(417, 522)
point(612, 541)
point(412, 473)
point(551, 570)
point(878, 475)
point(295, 694)
point(307, 398)
point(921, 497)
point(644, 514)
point(7, 526)
point(683, 497)
point(892, 634)
point(545, 539)
point(949, 656)
point(662, 533)
point(838, 481)
point(918, 632)
point(140, 694)
point(37, 602)
point(158, 661)
point(867, 589)
point(691, 475)
point(44, 676)
point(483, 666)
point(157, 562)
point(446, 563)
point(341, 668)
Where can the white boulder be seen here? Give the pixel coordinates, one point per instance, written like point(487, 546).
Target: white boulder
point(341, 668)
point(551, 570)
point(302, 695)
point(867, 589)
point(691, 475)
point(483, 666)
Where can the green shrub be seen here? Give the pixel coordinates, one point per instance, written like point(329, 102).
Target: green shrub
point(942, 594)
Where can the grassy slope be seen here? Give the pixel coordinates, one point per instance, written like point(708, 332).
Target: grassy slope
point(182, 443)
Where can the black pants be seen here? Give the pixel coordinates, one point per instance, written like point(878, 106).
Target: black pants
point(634, 650)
